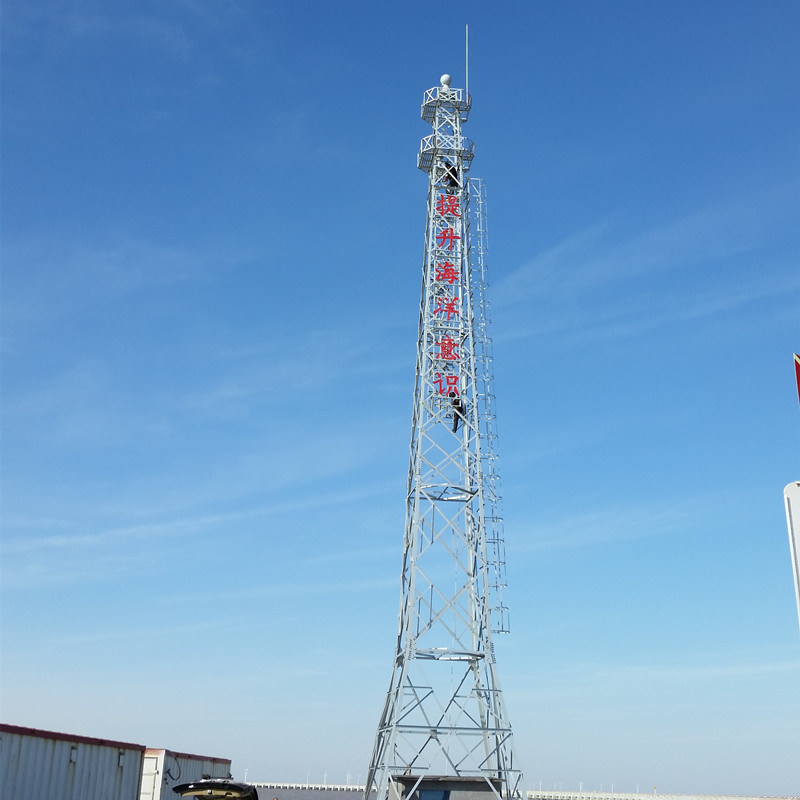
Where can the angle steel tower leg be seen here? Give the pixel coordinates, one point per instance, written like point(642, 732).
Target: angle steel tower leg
point(444, 713)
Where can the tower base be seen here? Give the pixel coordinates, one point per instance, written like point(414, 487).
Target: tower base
point(443, 787)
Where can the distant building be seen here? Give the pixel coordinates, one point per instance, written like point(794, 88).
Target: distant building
point(163, 769)
point(45, 765)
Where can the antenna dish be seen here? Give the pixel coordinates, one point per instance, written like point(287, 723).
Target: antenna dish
point(445, 79)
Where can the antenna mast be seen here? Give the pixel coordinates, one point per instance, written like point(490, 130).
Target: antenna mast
point(466, 59)
point(444, 725)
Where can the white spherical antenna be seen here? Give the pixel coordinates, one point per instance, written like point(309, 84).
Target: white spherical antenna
point(445, 79)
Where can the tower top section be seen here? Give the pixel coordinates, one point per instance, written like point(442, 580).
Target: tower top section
point(443, 96)
point(446, 109)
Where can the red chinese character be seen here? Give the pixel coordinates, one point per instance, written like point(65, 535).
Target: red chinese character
point(446, 305)
point(447, 204)
point(447, 349)
point(448, 235)
point(446, 272)
point(448, 385)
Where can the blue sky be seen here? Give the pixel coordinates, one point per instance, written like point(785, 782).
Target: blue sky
point(212, 238)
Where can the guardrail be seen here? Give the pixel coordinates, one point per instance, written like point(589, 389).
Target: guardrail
point(541, 794)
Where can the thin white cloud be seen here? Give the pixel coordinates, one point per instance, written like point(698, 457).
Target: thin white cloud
point(301, 364)
point(46, 281)
point(574, 284)
point(71, 24)
point(111, 537)
point(614, 523)
point(695, 672)
point(635, 316)
point(170, 630)
point(78, 548)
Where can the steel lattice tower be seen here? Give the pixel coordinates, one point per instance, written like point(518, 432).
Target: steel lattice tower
point(444, 713)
